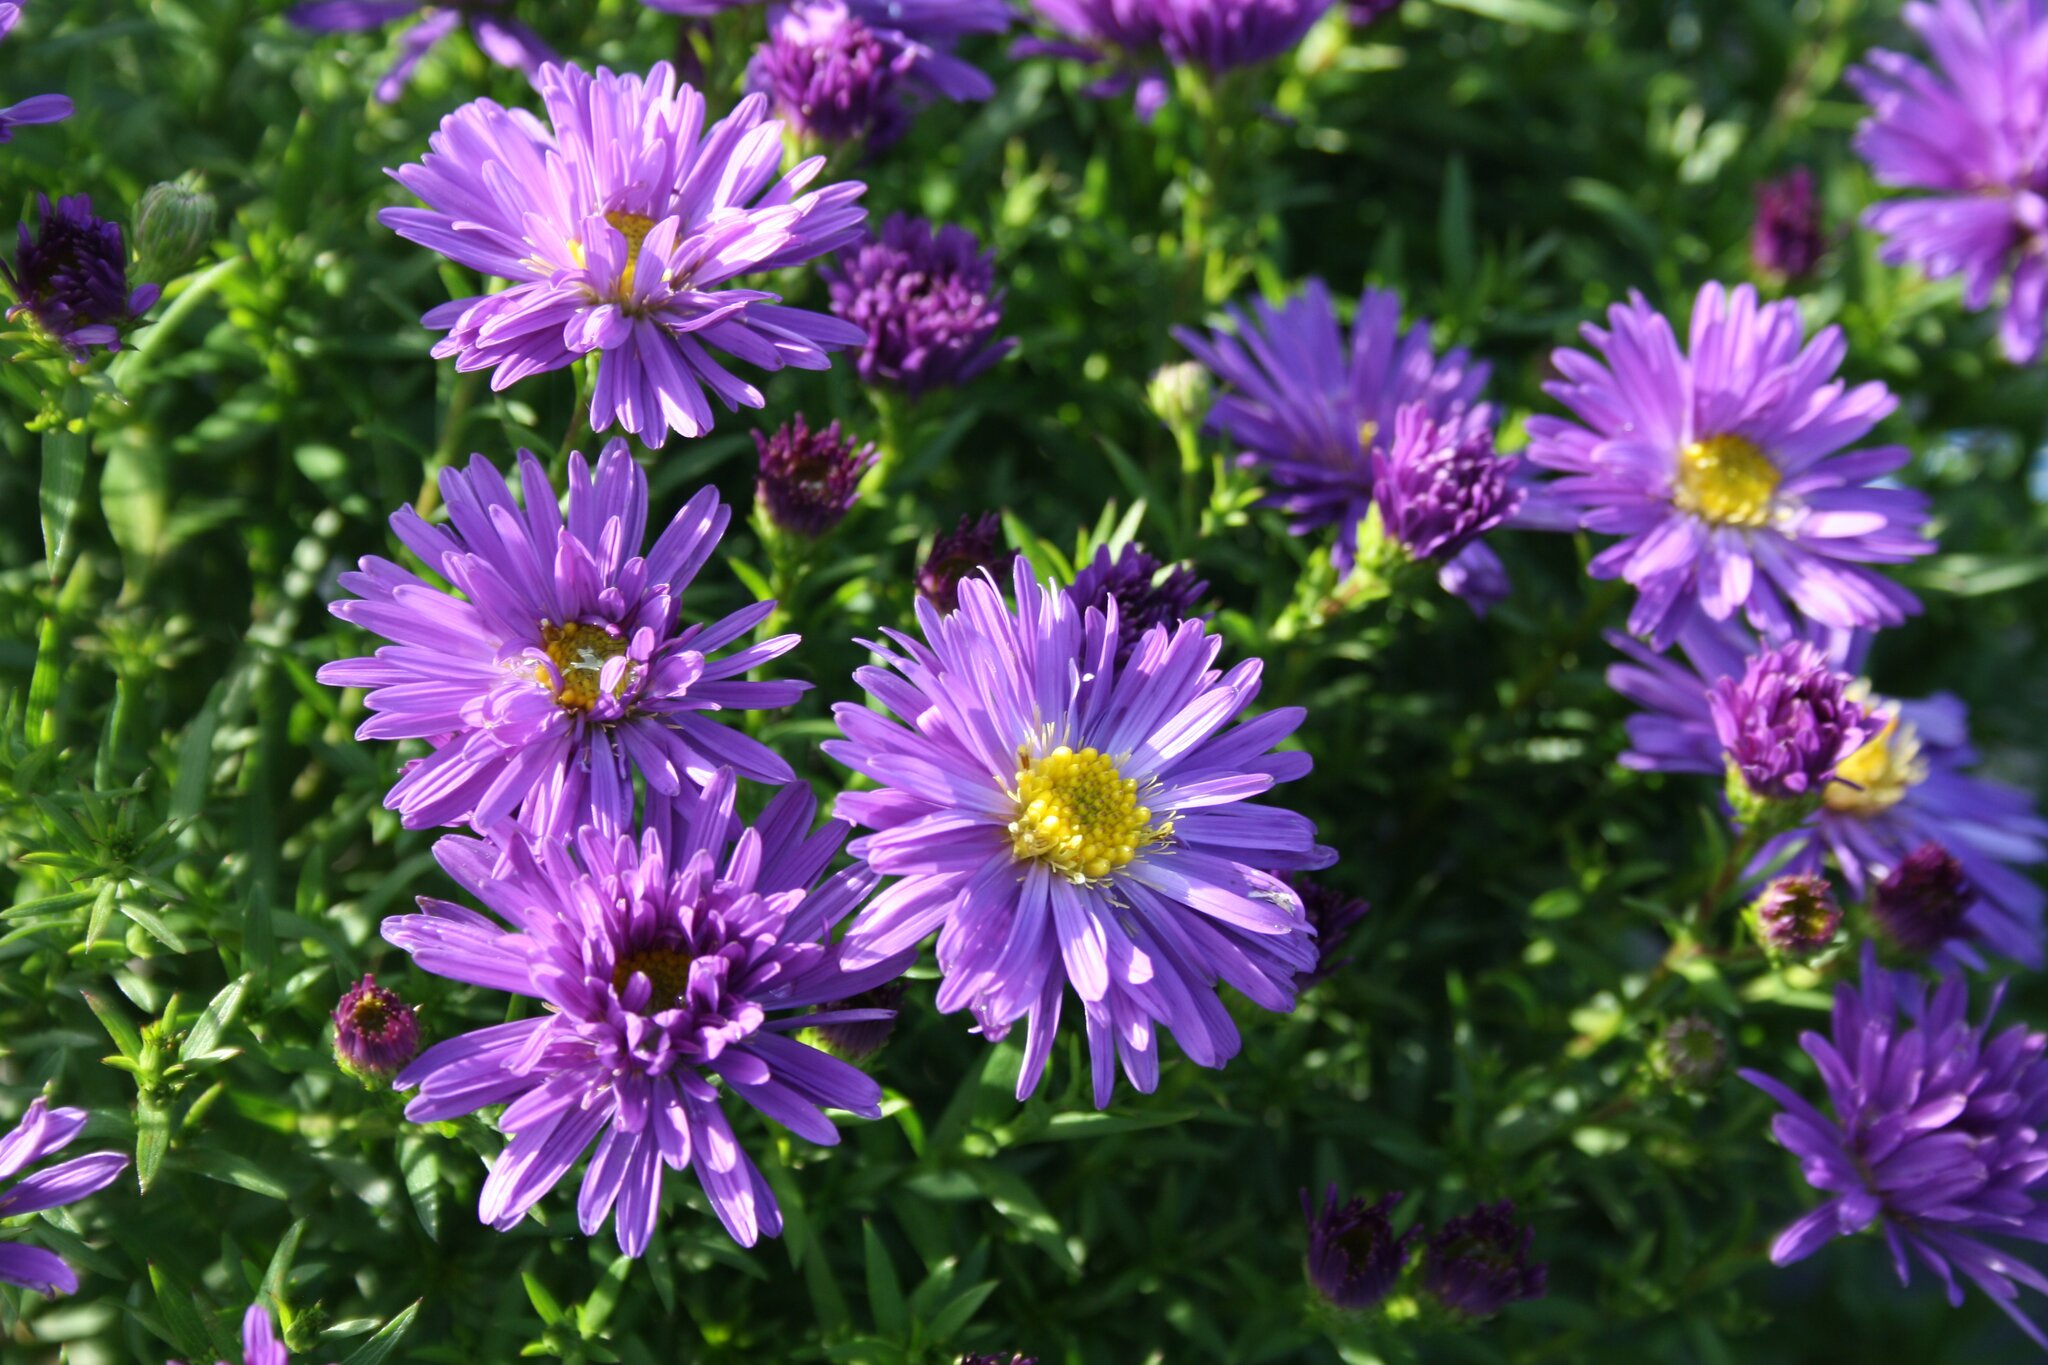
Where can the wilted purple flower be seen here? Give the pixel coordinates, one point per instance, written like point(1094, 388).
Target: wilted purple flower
point(1058, 819)
point(861, 1038)
point(809, 480)
point(1787, 239)
point(1939, 1135)
point(71, 277)
point(1333, 914)
point(36, 108)
point(44, 1130)
point(564, 666)
point(1147, 593)
point(659, 962)
point(375, 1032)
point(975, 544)
point(1719, 469)
point(1354, 1255)
point(1788, 722)
point(829, 75)
point(927, 301)
point(502, 38)
point(1797, 915)
point(1968, 130)
point(1138, 38)
point(1921, 904)
point(1439, 486)
point(623, 228)
point(260, 1345)
point(1479, 1264)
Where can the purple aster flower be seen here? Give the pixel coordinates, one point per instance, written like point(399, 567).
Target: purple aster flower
point(1921, 903)
point(1909, 785)
point(1936, 1138)
point(260, 1345)
point(972, 546)
point(664, 963)
point(924, 30)
point(563, 666)
point(502, 38)
point(1787, 239)
point(375, 1032)
point(1788, 722)
point(1439, 486)
point(809, 480)
point(623, 228)
point(1059, 819)
point(71, 278)
point(1354, 1255)
point(1968, 130)
point(927, 301)
point(1312, 407)
point(1796, 916)
point(44, 1130)
point(1147, 593)
point(1479, 1264)
point(36, 108)
point(830, 76)
point(1333, 914)
point(1720, 469)
point(1139, 37)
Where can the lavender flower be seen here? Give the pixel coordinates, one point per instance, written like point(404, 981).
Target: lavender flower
point(1788, 722)
point(1058, 819)
point(564, 666)
point(975, 544)
point(1439, 486)
point(927, 301)
point(1922, 903)
point(1937, 1137)
point(502, 38)
point(44, 1130)
point(663, 963)
point(1354, 1255)
point(36, 108)
point(1967, 130)
point(1719, 469)
point(1137, 37)
point(71, 278)
point(809, 480)
point(1333, 914)
point(1796, 916)
point(830, 76)
point(375, 1032)
point(1479, 1264)
point(1147, 593)
point(1787, 239)
point(260, 1345)
point(625, 228)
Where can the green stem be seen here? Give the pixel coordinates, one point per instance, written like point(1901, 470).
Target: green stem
point(452, 426)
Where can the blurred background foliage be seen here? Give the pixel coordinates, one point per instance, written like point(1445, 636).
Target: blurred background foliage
point(198, 860)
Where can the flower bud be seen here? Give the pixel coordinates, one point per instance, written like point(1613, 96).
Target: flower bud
point(1689, 1053)
point(1795, 917)
point(1179, 394)
point(375, 1033)
point(1921, 905)
point(1479, 1264)
point(173, 227)
point(1354, 1256)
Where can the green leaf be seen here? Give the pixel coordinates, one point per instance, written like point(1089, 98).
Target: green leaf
point(152, 1140)
point(218, 1016)
point(543, 1302)
point(957, 1314)
point(885, 1292)
point(421, 1166)
point(181, 1318)
point(125, 1035)
point(64, 458)
point(1550, 15)
point(373, 1351)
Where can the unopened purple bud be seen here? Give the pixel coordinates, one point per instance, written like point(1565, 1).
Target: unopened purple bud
point(1439, 486)
point(1796, 916)
point(928, 300)
point(375, 1032)
point(1787, 240)
point(1787, 722)
point(1923, 902)
point(1334, 914)
point(1145, 596)
point(830, 75)
point(975, 544)
point(809, 480)
point(1354, 1255)
point(1479, 1264)
point(71, 277)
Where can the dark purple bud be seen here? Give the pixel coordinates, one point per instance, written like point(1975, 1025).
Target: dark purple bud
point(928, 300)
point(1796, 916)
point(375, 1033)
point(1147, 593)
point(1787, 722)
point(1922, 904)
point(975, 544)
point(72, 278)
point(809, 480)
point(1334, 914)
point(1479, 1264)
point(1787, 240)
point(1440, 486)
point(1354, 1255)
point(998, 1359)
point(830, 76)
point(859, 1039)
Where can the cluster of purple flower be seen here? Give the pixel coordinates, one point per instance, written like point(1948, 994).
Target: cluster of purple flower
point(1471, 1267)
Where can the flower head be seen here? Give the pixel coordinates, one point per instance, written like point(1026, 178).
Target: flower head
point(1479, 1264)
point(809, 480)
point(830, 76)
point(1788, 722)
point(1923, 902)
point(1333, 914)
point(1061, 820)
point(1354, 1255)
point(502, 38)
point(1796, 916)
point(71, 277)
point(665, 963)
point(1967, 130)
point(1722, 469)
point(975, 544)
point(1787, 239)
point(1936, 1139)
point(1313, 407)
point(375, 1032)
point(1439, 486)
point(558, 663)
point(36, 108)
point(44, 1130)
point(926, 299)
point(1147, 593)
point(1139, 38)
point(625, 227)
point(923, 31)
point(1689, 1053)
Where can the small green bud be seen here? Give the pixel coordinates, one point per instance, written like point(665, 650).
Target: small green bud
point(173, 228)
point(1179, 394)
point(1689, 1053)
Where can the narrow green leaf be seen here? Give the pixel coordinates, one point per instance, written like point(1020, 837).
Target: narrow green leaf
point(64, 459)
point(181, 1316)
point(125, 1035)
point(421, 1166)
point(885, 1292)
point(373, 1351)
point(152, 1140)
point(218, 1017)
point(543, 1302)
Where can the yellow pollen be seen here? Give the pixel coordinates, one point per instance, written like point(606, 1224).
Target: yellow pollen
point(1368, 432)
point(580, 652)
point(370, 1015)
point(1883, 771)
point(1726, 480)
point(634, 227)
point(666, 970)
point(1076, 812)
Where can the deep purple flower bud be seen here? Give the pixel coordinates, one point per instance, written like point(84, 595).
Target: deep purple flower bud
point(975, 544)
point(809, 480)
point(998, 1359)
point(1364, 12)
point(1796, 916)
point(1788, 721)
point(1224, 34)
point(1921, 905)
point(1479, 1264)
point(1439, 486)
point(830, 76)
point(1787, 240)
point(375, 1033)
point(1354, 1255)
point(1690, 1053)
point(1145, 597)
point(859, 1039)
point(928, 301)
point(72, 278)
point(1334, 914)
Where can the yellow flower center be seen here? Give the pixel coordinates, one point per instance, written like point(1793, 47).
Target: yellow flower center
point(634, 227)
point(666, 970)
point(1726, 480)
point(580, 652)
point(1368, 432)
point(1883, 771)
point(370, 1015)
point(1078, 813)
